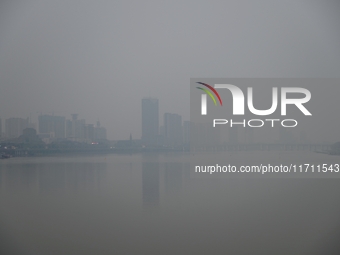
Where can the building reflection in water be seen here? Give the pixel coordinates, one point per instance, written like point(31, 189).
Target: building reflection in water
point(15, 177)
point(172, 178)
point(52, 177)
point(162, 178)
point(150, 179)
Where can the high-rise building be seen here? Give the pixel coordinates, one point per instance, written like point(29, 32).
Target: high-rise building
point(89, 133)
point(15, 126)
point(0, 129)
point(68, 129)
point(150, 121)
point(204, 135)
point(52, 124)
point(78, 130)
point(173, 130)
point(75, 129)
point(99, 132)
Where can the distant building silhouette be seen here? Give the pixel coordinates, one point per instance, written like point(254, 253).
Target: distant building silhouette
point(0, 129)
point(286, 136)
point(76, 129)
point(203, 135)
point(52, 124)
point(15, 126)
point(150, 121)
point(79, 131)
point(99, 132)
point(89, 133)
point(68, 129)
point(173, 130)
point(30, 138)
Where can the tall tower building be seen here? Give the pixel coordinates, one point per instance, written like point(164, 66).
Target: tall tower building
point(76, 129)
point(0, 129)
point(99, 132)
point(150, 121)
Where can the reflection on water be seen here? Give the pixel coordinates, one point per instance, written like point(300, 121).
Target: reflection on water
point(150, 183)
point(151, 204)
point(173, 177)
point(156, 175)
point(51, 177)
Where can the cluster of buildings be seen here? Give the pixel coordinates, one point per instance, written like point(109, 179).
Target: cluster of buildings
point(174, 133)
point(169, 132)
point(54, 128)
point(14, 127)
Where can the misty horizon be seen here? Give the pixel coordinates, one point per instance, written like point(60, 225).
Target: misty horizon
point(34, 122)
point(148, 135)
point(99, 60)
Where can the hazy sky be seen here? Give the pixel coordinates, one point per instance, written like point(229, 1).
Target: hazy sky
point(99, 58)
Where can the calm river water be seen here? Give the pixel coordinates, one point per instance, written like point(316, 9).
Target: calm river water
point(153, 204)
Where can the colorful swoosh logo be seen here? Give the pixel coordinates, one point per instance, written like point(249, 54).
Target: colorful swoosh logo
point(209, 93)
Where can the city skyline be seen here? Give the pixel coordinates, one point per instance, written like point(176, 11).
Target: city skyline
point(101, 72)
point(60, 127)
point(135, 127)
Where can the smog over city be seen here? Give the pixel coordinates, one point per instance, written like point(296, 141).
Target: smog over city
point(169, 127)
point(100, 59)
